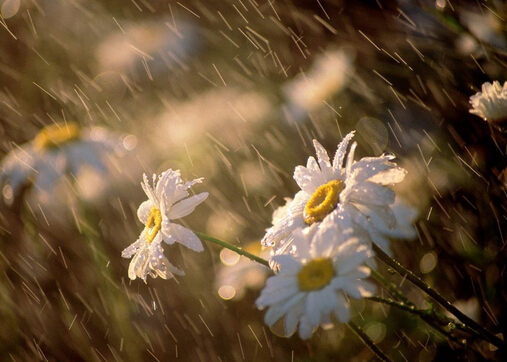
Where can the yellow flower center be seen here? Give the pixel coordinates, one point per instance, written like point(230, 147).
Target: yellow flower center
point(56, 135)
point(323, 201)
point(316, 274)
point(153, 224)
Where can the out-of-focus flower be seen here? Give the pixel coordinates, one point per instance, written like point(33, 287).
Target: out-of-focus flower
point(491, 103)
point(56, 150)
point(227, 109)
point(149, 48)
point(168, 199)
point(486, 26)
point(312, 283)
point(350, 194)
point(327, 76)
point(471, 308)
point(239, 274)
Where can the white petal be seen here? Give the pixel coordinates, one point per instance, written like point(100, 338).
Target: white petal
point(358, 289)
point(323, 159)
point(271, 295)
point(167, 186)
point(342, 310)
point(186, 237)
point(368, 167)
point(181, 193)
point(139, 264)
point(360, 272)
point(281, 232)
point(381, 216)
point(291, 320)
point(166, 231)
point(277, 311)
point(313, 307)
point(389, 177)
point(160, 264)
point(350, 159)
point(144, 211)
point(305, 328)
point(278, 281)
point(306, 179)
point(186, 206)
point(51, 167)
point(133, 248)
point(351, 255)
point(369, 193)
point(288, 264)
point(341, 150)
point(148, 190)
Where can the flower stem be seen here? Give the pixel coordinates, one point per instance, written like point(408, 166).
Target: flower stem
point(390, 287)
point(476, 327)
point(231, 247)
point(430, 316)
point(368, 342)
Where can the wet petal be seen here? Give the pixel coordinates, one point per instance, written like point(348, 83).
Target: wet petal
point(342, 310)
point(341, 151)
point(186, 206)
point(186, 237)
point(144, 211)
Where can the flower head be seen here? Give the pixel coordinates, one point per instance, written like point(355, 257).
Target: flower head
point(329, 74)
point(311, 285)
point(168, 200)
point(349, 192)
point(56, 150)
point(491, 103)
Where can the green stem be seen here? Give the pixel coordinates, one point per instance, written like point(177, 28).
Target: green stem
point(476, 327)
point(236, 249)
point(368, 342)
point(391, 287)
point(430, 316)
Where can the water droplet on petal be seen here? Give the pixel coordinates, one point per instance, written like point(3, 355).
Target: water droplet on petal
point(389, 155)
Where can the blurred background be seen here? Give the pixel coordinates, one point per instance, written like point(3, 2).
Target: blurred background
point(235, 91)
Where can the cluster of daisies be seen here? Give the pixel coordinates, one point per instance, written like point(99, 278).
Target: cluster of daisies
point(320, 241)
point(320, 244)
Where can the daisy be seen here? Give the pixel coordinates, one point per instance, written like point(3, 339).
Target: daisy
point(57, 150)
point(354, 195)
point(168, 199)
point(312, 284)
point(491, 103)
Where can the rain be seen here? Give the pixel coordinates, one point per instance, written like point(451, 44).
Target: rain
point(96, 93)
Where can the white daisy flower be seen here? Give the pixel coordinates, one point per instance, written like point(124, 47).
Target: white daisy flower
point(56, 150)
point(168, 199)
point(312, 283)
point(351, 194)
point(491, 103)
